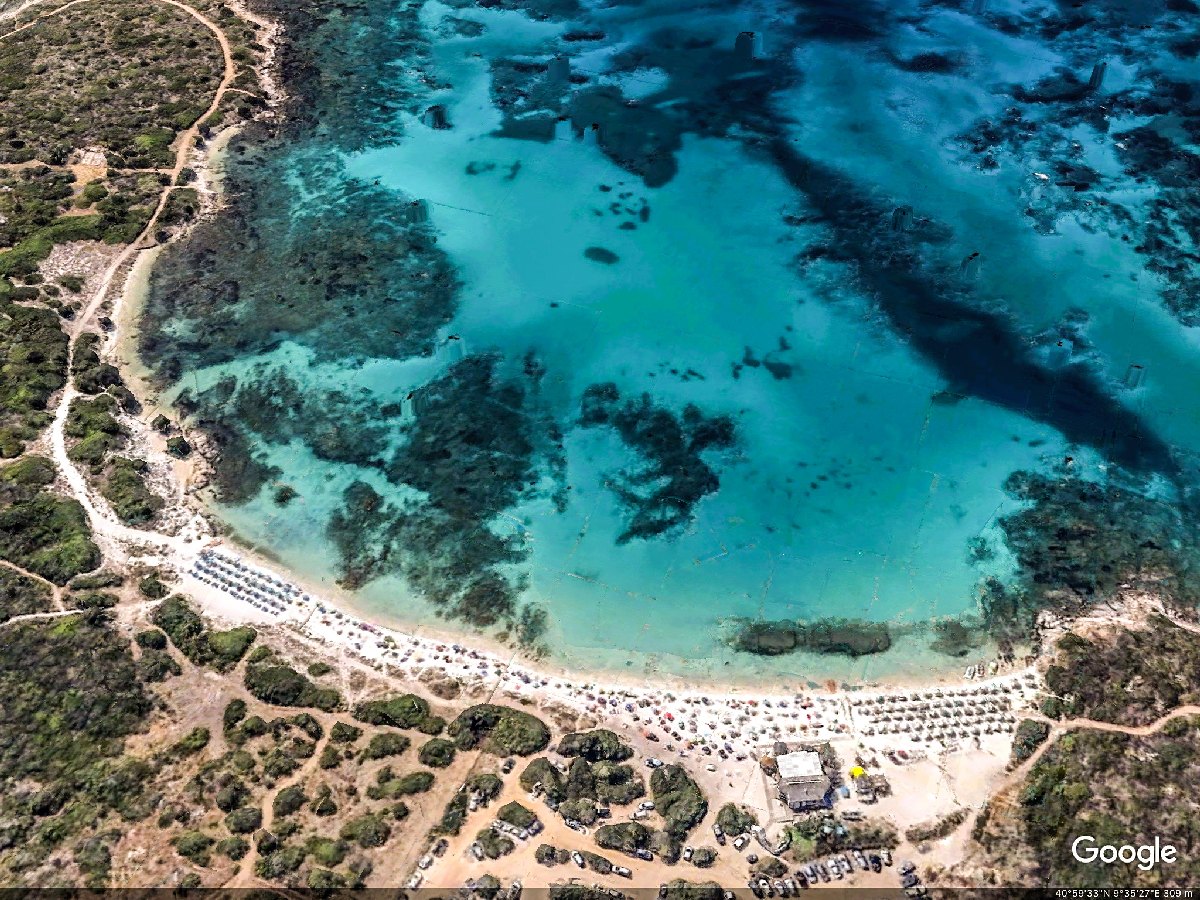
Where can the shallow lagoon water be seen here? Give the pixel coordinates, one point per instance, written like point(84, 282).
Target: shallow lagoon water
point(858, 480)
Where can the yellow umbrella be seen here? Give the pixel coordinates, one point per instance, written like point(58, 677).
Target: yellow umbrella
point(858, 772)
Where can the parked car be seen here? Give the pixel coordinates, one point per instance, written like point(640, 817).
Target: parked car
point(752, 858)
point(577, 857)
point(477, 850)
point(910, 880)
point(766, 888)
point(425, 862)
point(623, 871)
point(876, 862)
point(718, 834)
point(662, 891)
point(514, 891)
point(646, 804)
point(644, 854)
point(415, 881)
point(740, 842)
point(906, 867)
point(440, 847)
point(758, 891)
point(687, 854)
point(781, 888)
point(886, 855)
point(790, 884)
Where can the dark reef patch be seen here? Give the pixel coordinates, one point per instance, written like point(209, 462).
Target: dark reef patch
point(360, 280)
point(979, 353)
point(930, 63)
point(468, 456)
point(1077, 543)
point(674, 477)
point(601, 255)
point(843, 637)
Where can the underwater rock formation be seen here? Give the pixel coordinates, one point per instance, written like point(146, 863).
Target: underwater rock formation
point(843, 637)
point(674, 477)
point(468, 456)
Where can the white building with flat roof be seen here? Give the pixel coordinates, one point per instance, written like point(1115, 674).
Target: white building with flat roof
point(803, 783)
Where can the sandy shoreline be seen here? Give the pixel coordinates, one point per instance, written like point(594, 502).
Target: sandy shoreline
point(237, 589)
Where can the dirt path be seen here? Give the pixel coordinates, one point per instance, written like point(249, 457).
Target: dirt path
point(55, 590)
point(1060, 728)
point(29, 617)
point(103, 521)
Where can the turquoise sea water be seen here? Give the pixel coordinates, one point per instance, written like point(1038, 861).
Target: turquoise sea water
point(724, 243)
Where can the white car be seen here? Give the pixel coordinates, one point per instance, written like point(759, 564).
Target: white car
point(646, 804)
point(687, 854)
point(575, 855)
point(415, 882)
point(477, 850)
point(622, 871)
point(740, 842)
point(425, 862)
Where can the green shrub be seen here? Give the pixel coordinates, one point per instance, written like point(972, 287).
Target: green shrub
point(735, 820)
point(39, 531)
point(244, 820)
point(516, 815)
point(405, 711)
point(494, 845)
point(624, 836)
point(327, 851)
point(282, 685)
point(595, 746)
point(156, 666)
point(123, 485)
point(367, 831)
point(194, 845)
point(192, 742)
point(436, 753)
point(152, 587)
point(220, 650)
point(1030, 734)
point(678, 799)
point(344, 734)
point(288, 801)
point(235, 712)
point(234, 848)
point(21, 596)
point(385, 744)
point(152, 639)
point(500, 730)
